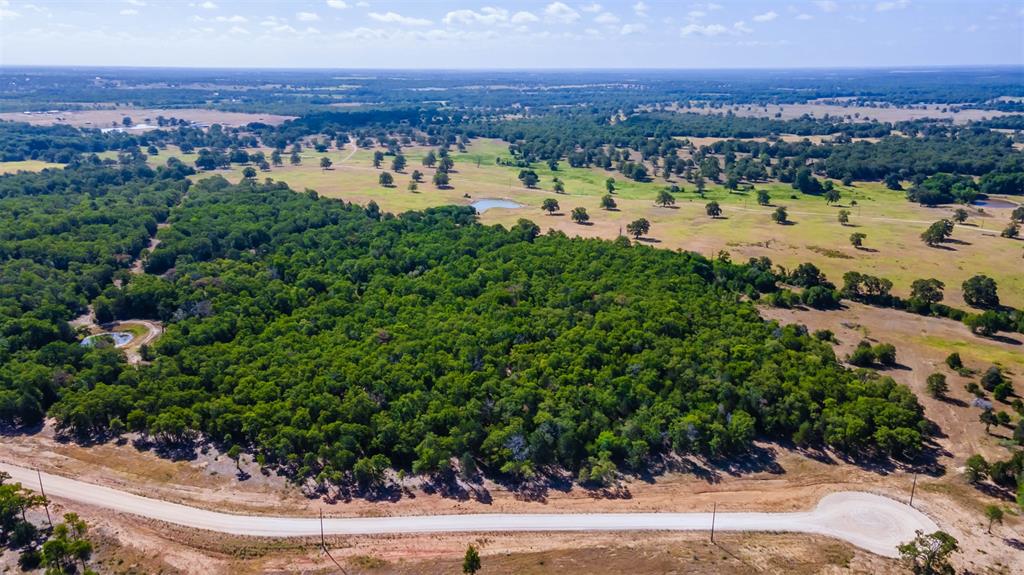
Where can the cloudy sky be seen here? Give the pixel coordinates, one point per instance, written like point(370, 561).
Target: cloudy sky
point(511, 34)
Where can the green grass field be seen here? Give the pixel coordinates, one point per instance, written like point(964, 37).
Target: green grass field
point(893, 248)
point(26, 166)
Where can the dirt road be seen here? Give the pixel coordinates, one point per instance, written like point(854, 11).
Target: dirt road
point(872, 522)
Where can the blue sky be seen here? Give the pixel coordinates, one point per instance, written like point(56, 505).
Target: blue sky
point(511, 34)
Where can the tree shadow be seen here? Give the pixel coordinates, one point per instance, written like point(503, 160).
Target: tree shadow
point(647, 240)
point(584, 223)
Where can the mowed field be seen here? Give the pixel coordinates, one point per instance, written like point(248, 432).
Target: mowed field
point(893, 248)
point(26, 166)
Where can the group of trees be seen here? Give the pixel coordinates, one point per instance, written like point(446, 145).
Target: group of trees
point(429, 342)
point(64, 549)
point(64, 236)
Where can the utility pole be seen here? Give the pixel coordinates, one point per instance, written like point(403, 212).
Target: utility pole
point(323, 543)
point(46, 503)
point(714, 511)
point(913, 489)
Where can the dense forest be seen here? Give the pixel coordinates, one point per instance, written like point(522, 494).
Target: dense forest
point(336, 342)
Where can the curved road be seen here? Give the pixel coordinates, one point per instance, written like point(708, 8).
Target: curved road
point(872, 522)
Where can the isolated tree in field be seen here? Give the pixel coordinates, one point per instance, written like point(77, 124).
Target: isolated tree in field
point(1018, 214)
point(763, 199)
point(441, 179)
point(780, 216)
point(235, 453)
point(929, 554)
point(608, 202)
point(937, 232)
point(832, 196)
point(892, 181)
point(954, 362)
point(471, 562)
point(386, 179)
point(960, 215)
point(559, 187)
point(936, 385)
point(445, 164)
point(528, 178)
point(1011, 231)
point(928, 291)
point(988, 417)
point(295, 159)
point(975, 468)
point(609, 185)
point(580, 215)
point(549, 205)
point(325, 163)
point(417, 176)
point(413, 187)
point(665, 199)
point(430, 159)
point(378, 157)
point(398, 164)
point(857, 239)
point(637, 228)
point(275, 158)
point(844, 217)
point(981, 292)
point(698, 181)
point(994, 514)
point(713, 209)
point(249, 172)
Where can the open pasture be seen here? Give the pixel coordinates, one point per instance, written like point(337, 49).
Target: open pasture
point(893, 248)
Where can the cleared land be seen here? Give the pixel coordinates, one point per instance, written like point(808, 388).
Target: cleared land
point(26, 166)
point(893, 248)
point(869, 521)
point(851, 112)
point(105, 118)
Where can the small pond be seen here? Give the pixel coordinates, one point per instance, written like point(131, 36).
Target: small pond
point(482, 206)
point(994, 203)
point(120, 338)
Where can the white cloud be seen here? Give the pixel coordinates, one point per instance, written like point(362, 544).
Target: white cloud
point(709, 30)
point(606, 18)
point(236, 19)
point(129, 12)
point(307, 17)
point(487, 16)
point(136, 2)
point(804, 16)
point(640, 8)
point(238, 30)
point(337, 4)
point(591, 8)
point(766, 17)
point(972, 28)
point(896, 5)
point(696, 14)
point(396, 18)
point(560, 13)
point(363, 4)
point(827, 5)
point(523, 18)
point(208, 5)
point(628, 29)
point(742, 27)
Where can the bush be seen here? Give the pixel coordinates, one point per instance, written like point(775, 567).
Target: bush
point(954, 362)
point(992, 377)
point(862, 356)
point(936, 385)
point(885, 354)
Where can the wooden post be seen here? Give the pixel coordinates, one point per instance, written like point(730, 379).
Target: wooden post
point(46, 503)
point(714, 511)
point(913, 489)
